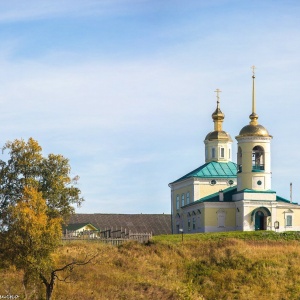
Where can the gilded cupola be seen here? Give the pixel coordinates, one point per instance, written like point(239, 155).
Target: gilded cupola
point(218, 118)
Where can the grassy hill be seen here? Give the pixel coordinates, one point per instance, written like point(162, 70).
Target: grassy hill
point(239, 265)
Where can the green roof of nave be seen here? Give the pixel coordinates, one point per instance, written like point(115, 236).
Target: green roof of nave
point(227, 196)
point(229, 192)
point(213, 169)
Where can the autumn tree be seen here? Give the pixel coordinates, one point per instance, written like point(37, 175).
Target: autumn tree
point(26, 166)
point(31, 236)
point(37, 194)
point(30, 240)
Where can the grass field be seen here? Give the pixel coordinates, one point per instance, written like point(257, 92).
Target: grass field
point(233, 265)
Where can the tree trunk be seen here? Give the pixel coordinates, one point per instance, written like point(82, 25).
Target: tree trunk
point(49, 285)
point(49, 290)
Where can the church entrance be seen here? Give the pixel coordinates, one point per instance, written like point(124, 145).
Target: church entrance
point(260, 220)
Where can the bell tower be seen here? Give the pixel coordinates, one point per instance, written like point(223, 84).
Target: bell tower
point(254, 152)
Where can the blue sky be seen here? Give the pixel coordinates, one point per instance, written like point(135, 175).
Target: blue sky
point(125, 89)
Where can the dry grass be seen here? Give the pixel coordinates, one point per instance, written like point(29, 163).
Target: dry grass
point(227, 268)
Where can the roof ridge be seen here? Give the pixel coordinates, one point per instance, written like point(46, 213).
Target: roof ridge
point(228, 172)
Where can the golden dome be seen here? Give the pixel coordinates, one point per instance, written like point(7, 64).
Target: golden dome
point(218, 135)
point(218, 118)
point(217, 114)
point(254, 130)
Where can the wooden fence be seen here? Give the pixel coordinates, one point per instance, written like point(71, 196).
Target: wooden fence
point(108, 236)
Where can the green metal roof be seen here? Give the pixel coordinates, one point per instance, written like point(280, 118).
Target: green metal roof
point(227, 196)
point(281, 199)
point(213, 170)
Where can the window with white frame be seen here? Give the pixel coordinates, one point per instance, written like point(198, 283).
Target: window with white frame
point(182, 200)
point(229, 153)
point(177, 202)
point(187, 197)
point(222, 152)
point(289, 220)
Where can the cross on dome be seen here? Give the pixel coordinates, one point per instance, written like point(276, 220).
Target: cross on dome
point(218, 97)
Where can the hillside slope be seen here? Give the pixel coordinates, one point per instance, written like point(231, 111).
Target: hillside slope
point(207, 266)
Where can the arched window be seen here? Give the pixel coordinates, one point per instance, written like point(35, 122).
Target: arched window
point(258, 164)
point(187, 197)
point(239, 159)
point(289, 220)
point(177, 202)
point(222, 152)
point(182, 200)
point(213, 152)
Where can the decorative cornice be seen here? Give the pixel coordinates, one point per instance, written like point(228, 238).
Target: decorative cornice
point(253, 138)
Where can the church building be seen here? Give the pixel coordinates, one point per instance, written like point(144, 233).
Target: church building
point(222, 195)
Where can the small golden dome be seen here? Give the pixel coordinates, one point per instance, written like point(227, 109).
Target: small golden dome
point(218, 118)
point(217, 114)
point(218, 135)
point(254, 130)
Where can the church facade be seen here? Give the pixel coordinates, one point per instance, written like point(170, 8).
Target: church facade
point(222, 195)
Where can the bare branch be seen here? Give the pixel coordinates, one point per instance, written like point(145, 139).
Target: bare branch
point(65, 279)
point(75, 263)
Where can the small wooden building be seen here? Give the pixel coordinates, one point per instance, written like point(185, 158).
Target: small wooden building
point(80, 230)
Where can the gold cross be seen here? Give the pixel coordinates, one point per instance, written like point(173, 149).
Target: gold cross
point(253, 70)
point(218, 97)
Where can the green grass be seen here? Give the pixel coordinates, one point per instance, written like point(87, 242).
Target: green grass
point(243, 235)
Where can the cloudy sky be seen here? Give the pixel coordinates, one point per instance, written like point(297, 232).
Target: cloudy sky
point(125, 88)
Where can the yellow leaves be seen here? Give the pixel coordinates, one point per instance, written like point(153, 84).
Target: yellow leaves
point(32, 146)
point(37, 192)
point(30, 211)
point(30, 221)
point(32, 235)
